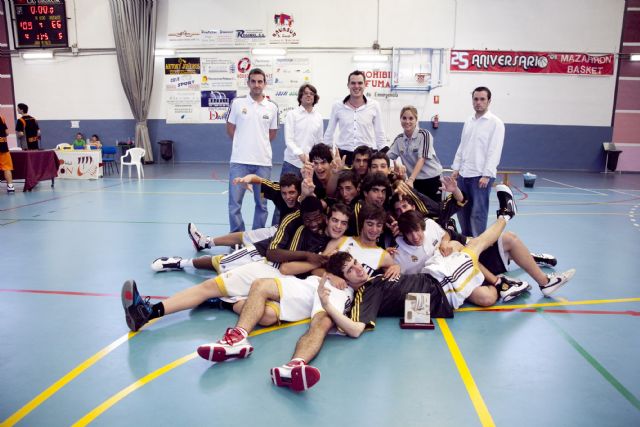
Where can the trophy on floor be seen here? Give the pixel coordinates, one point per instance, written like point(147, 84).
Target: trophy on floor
point(417, 313)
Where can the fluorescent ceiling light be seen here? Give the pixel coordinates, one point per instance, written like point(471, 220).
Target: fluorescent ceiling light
point(45, 54)
point(635, 57)
point(165, 52)
point(268, 51)
point(371, 58)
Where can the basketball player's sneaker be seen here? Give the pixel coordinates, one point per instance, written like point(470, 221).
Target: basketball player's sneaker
point(171, 263)
point(233, 345)
point(199, 240)
point(556, 281)
point(296, 375)
point(137, 310)
point(544, 260)
point(510, 288)
point(506, 201)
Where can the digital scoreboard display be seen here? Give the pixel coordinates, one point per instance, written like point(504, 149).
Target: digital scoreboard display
point(40, 24)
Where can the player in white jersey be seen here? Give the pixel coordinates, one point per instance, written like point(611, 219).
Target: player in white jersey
point(300, 296)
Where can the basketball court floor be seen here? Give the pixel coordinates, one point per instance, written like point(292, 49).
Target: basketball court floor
point(67, 357)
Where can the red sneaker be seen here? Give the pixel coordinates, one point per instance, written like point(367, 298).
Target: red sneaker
point(234, 345)
point(296, 375)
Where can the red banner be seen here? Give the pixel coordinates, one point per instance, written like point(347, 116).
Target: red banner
point(531, 62)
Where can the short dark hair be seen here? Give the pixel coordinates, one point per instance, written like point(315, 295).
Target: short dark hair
point(396, 198)
point(363, 149)
point(377, 179)
point(322, 151)
point(340, 207)
point(312, 88)
point(257, 71)
point(336, 262)
point(370, 211)
point(357, 73)
point(311, 204)
point(380, 155)
point(482, 89)
point(23, 107)
point(95, 136)
point(288, 179)
point(410, 221)
point(347, 175)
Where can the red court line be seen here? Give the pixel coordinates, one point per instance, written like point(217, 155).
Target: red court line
point(74, 293)
point(524, 195)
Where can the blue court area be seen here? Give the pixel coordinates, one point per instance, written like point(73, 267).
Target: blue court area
point(67, 357)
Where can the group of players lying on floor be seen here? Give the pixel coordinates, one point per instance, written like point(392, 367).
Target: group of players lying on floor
point(330, 247)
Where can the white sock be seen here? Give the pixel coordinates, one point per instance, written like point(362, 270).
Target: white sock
point(209, 243)
point(187, 262)
point(506, 218)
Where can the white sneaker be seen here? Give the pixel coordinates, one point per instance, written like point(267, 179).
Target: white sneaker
point(11, 188)
point(510, 288)
point(506, 201)
point(234, 345)
point(167, 263)
point(295, 375)
point(556, 281)
point(198, 239)
point(544, 260)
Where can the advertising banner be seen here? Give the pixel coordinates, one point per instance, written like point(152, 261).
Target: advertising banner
point(531, 62)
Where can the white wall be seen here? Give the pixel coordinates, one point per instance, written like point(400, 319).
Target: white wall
point(88, 86)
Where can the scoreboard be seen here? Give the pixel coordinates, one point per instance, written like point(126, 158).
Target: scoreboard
point(40, 24)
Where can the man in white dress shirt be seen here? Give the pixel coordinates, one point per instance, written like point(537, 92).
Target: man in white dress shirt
point(302, 130)
point(359, 120)
point(476, 162)
point(252, 124)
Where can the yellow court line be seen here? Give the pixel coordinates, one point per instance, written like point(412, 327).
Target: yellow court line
point(100, 409)
point(549, 304)
point(55, 387)
point(463, 369)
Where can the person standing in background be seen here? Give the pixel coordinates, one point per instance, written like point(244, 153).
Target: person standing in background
point(415, 147)
point(476, 162)
point(302, 130)
point(27, 129)
point(6, 165)
point(252, 124)
point(359, 120)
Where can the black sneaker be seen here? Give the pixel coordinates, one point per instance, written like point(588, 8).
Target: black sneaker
point(137, 311)
point(544, 260)
point(506, 201)
point(510, 288)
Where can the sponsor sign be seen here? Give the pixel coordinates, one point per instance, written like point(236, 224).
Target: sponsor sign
point(182, 82)
point(284, 31)
point(216, 103)
point(532, 62)
point(182, 65)
point(249, 37)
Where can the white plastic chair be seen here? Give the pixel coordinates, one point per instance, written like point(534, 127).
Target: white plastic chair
point(64, 146)
point(136, 154)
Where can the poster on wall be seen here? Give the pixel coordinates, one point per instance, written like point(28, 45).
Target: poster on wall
point(218, 37)
point(185, 38)
point(291, 72)
point(183, 107)
point(218, 74)
point(182, 82)
point(245, 64)
point(286, 100)
point(283, 30)
point(378, 83)
point(181, 65)
point(245, 37)
point(215, 105)
point(532, 62)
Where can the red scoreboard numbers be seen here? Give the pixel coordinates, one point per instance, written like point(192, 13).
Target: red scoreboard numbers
point(40, 23)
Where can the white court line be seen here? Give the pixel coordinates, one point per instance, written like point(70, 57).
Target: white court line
point(623, 193)
point(573, 186)
point(545, 193)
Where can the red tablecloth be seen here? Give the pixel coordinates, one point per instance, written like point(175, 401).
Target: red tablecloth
point(34, 166)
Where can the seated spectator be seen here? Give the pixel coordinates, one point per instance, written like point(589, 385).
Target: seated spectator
point(95, 141)
point(79, 143)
